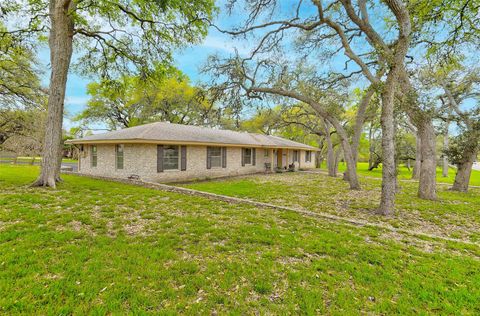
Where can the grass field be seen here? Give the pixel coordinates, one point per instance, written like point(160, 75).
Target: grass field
point(404, 173)
point(101, 247)
point(30, 159)
point(454, 214)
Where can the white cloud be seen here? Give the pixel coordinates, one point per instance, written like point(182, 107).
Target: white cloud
point(225, 43)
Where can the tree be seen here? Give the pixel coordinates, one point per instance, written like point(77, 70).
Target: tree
point(344, 23)
point(115, 36)
point(166, 95)
point(461, 86)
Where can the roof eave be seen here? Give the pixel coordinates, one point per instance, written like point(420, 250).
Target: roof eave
point(153, 141)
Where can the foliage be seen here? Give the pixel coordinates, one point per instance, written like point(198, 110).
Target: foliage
point(19, 77)
point(117, 37)
point(21, 131)
point(166, 95)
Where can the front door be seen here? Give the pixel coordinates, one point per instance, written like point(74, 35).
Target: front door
point(279, 158)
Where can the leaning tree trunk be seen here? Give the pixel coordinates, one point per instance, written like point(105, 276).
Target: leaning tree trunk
point(332, 171)
point(389, 182)
point(427, 186)
point(445, 159)
point(418, 158)
point(60, 43)
point(464, 170)
point(351, 170)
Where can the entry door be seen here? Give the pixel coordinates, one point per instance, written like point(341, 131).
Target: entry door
point(275, 159)
point(279, 158)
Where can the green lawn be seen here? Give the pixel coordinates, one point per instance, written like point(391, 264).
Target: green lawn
point(100, 247)
point(29, 159)
point(404, 173)
point(454, 214)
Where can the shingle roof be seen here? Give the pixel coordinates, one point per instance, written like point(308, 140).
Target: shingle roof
point(186, 134)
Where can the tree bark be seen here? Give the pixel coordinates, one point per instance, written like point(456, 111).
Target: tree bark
point(464, 170)
point(332, 171)
point(371, 148)
point(387, 201)
point(60, 43)
point(427, 186)
point(445, 159)
point(418, 157)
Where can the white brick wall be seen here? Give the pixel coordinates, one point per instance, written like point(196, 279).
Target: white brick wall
point(141, 159)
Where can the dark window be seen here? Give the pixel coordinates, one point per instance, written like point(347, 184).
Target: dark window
point(93, 160)
point(295, 155)
point(215, 154)
point(266, 152)
point(247, 156)
point(119, 156)
point(308, 156)
point(170, 157)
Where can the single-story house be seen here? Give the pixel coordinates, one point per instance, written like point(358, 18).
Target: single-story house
point(166, 152)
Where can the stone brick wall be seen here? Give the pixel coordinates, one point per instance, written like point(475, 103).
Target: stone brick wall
point(141, 160)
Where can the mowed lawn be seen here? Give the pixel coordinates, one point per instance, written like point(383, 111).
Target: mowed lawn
point(453, 215)
point(405, 174)
point(100, 247)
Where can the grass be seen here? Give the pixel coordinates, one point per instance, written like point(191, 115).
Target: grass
point(405, 174)
point(29, 160)
point(454, 214)
point(100, 247)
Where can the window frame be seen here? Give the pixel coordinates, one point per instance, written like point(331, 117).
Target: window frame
point(245, 155)
point(93, 156)
point(308, 156)
point(119, 155)
point(295, 156)
point(165, 158)
point(219, 156)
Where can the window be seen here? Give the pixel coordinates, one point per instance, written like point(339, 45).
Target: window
point(295, 155)
point(119, 156)
point(247, 156)
point(308, 156)
point(215, 157)
point(171, 156)
point(93, 158)
point(266, 152)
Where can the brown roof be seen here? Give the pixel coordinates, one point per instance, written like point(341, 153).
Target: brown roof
point(187, 134)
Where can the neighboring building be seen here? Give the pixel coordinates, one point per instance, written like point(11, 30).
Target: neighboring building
point(165, 152)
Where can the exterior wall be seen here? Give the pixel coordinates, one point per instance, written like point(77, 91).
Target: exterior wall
point(141, 160)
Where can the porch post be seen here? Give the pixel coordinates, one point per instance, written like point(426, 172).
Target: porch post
point(272, 159)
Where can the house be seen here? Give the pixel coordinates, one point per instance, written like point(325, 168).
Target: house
point(165, 152)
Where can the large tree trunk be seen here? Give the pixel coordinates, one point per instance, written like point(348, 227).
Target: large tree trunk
point(445, 160)
point(387, 201)
point(464, 170)
point(418, 157)
point(427, 186)
point(60, 42)
point(332, 171)
point(351, 172)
